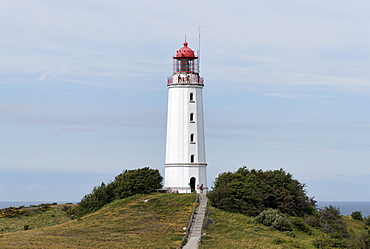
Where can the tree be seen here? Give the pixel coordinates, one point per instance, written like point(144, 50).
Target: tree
point(128, 183)
point(139, 181)
point(253, 191)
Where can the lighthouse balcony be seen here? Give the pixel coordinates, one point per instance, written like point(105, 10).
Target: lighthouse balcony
point(194, 80)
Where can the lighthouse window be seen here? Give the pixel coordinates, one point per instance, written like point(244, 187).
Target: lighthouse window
point(192, 157)
point(191, 98)
point(192, 117)
point(192, 140)
point(184, 65)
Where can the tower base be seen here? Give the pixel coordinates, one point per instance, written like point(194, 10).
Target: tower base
point(185, 177)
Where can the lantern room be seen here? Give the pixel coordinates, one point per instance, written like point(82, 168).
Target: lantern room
point(185, 61)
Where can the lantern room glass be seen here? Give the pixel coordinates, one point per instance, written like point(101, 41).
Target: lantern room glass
point(185, 65)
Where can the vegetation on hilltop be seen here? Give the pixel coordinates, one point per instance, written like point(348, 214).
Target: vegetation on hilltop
point(275, 212)
point(128, 183)
point(14, 219)
point(252, 191)
point(323, 230)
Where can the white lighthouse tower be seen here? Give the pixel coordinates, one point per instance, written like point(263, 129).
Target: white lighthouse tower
point(185, 165)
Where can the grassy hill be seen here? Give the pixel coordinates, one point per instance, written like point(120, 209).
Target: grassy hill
point(233, 230)
point(140, 221)
point(157, 221)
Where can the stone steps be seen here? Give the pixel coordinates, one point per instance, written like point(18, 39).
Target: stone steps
point(197, 224)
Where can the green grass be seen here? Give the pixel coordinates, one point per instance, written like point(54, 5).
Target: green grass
point(141, 221)
point(36, 219)
point(232, 230)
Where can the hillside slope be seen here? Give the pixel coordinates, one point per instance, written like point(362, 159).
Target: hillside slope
point(234, 230)
point(141, 221)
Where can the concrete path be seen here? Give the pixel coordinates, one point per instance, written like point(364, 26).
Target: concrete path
point(197, 225)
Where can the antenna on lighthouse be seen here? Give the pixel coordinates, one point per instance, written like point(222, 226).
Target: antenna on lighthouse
point(199, 30)
point(198, 52)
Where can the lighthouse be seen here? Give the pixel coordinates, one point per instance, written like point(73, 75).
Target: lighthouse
point(185, 163)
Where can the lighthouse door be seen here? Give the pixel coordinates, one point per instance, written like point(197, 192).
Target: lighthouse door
point(192, 184)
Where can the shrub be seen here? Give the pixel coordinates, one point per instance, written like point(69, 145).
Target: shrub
point(12, 212)
point(313, 220)
point(268, 216)
point(327, 242)
point(367, 220)
point(361, 240)
point(274, 218)
point(44, 206)
point(300, 225)
point(329, 213)
point(331, 222)
point(253, 191)
point(128, 183)
point(65, 208)
point(290, 233)
point(356, 215)
point(281, 223)
point(140, 181)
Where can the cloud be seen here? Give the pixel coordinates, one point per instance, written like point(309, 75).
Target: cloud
point(76, 119)
point(274, 145)
point(351, 176)
point(71, 128)
point(284, 44)
point(31, 187)
point(52, 73)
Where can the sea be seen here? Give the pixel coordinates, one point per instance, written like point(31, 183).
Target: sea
point(5, 204)
point(347, 207)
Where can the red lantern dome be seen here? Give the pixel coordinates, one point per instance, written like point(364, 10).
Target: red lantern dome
point(185, 52)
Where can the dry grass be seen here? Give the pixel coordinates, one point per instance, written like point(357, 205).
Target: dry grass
point(232, 230)
point(145, 221)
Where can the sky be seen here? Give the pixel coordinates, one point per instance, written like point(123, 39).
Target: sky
point(83, 92)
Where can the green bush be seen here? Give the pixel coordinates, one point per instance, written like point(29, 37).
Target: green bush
point(281, 223)
point(268, 216)
point(253, 191)
point(274, 218)
point(361, 240)
point(139, 181)
point(12, 212)
point(329, 213)
point(332, 223)
point(313, 220)
point(290, 233)
point(128, 183)
point(356, 215)
point(300, 225)
point(367, 220)
point(327, 242)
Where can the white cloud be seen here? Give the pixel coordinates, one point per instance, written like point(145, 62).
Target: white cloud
point(78, 118)
point(71, 128)
point(274, 145)
point(31, 187)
